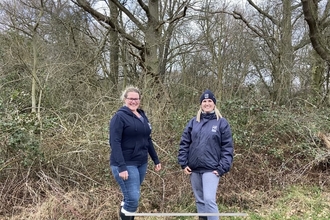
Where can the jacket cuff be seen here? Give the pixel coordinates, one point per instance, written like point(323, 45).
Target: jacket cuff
point(122, 168)
point(220, 171)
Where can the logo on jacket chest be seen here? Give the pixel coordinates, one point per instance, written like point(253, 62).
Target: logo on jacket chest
point(214, 128)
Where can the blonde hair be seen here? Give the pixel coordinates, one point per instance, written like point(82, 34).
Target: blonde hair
point(216, 110)
point(128, 89)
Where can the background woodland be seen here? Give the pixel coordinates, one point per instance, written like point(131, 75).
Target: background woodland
point(64, 63)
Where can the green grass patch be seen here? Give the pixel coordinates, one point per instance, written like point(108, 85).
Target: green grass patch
point(296, 202)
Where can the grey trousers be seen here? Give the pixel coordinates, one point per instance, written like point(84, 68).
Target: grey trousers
point(205, 186)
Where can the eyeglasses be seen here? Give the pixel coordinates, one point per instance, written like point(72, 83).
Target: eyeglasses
point(133, 99)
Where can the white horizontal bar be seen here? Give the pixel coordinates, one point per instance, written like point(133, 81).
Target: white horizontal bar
point(185, 214)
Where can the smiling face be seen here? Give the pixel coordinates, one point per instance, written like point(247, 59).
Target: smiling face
point(207, 105)
point(132, 101)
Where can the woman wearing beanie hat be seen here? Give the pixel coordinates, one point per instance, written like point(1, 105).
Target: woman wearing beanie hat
point(206, 153)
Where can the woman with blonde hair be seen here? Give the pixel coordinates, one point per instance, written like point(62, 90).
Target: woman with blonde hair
point(130, 142)
point(206, 153)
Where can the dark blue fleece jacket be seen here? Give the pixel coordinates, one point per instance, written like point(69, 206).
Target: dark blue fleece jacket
point(130, 139)
point(207, 145)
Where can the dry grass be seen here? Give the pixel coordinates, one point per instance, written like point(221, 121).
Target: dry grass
point(56, 203)
point(74, 181)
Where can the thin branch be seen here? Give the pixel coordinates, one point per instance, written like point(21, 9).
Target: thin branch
point(174, 18)
point(105, 19)
point(144, 7)
point(129, 14)
point(263, 12)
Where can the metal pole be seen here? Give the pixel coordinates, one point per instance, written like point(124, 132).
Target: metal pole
point(186, 214)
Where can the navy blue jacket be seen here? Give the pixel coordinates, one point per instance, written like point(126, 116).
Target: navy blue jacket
point(130, 139)
point(207, 145)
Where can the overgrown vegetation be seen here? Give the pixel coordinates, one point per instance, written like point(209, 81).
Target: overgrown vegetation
point(60, 170)
point(64, 63)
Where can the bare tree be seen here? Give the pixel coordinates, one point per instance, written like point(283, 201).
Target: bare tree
point(319, 37)
point(26, 18)
point(223, 48)
point(53, 45)
point(317, 26)
point(150, 44)
point(275, 31)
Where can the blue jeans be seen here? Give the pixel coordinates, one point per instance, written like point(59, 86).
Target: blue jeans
point(131, 187)
point(205, 186)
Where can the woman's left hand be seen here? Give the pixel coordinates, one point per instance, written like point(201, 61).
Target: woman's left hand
point(216, 173)
point(158, 167)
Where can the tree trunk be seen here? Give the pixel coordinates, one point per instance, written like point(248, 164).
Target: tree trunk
point(318, 69)
point(152, 38)
point(285, 55)
point(34, 76)
point(114, 47)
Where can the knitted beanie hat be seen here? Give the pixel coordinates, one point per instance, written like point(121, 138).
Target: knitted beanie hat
point(208, 95)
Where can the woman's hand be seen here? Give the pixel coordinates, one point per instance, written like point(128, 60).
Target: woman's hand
point(123, 175)
point(187, 170)
point(216, 173)
point(158, 167)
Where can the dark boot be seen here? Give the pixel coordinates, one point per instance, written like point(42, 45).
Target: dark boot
point(122, 216)
point(202, 218)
